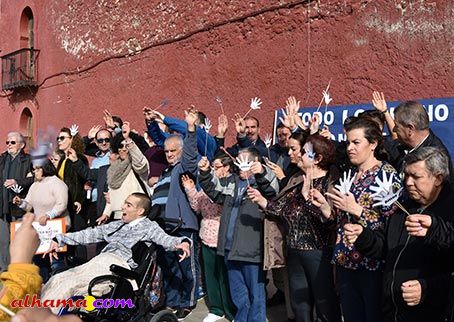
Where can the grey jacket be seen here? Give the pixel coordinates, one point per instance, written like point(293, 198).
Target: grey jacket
point(121, 237)
point(247, 245)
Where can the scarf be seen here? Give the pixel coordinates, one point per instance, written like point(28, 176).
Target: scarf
point(117, 172)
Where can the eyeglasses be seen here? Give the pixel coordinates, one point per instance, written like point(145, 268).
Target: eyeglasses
point(101, 141)
point(62, 138)
point(10, 142)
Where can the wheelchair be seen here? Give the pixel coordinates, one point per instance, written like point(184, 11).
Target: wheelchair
point(148, 299)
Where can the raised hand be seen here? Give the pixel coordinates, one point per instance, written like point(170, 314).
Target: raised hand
point(126, 130)
point(108, 120)
point(325, 132)
point(315, 123)
point(257, 167)
point(379, 102)
point(240, 125)
point(71, 155)
point(92, 133)
point(25, 242)
point(305, 190)
point(204, 164)
point(223, 125)
point(191, 117)
point(276, 169)
point(187, 182)
point(288, 118)
point(148, 114)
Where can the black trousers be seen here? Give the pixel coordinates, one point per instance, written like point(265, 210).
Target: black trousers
point(311, 284)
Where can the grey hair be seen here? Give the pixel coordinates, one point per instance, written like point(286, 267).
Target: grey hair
point(17, 135)
point(436, 159)
point(177, 137)
point(412, 112)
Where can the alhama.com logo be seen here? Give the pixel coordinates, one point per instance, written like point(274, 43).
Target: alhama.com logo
point(88, 303)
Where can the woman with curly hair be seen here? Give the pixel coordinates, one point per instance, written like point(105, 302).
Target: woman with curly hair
point(67, 140)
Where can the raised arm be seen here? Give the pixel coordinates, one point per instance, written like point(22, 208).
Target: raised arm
point(379, 102)
point(189, 158)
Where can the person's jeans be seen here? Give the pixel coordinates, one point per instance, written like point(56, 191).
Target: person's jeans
point(360, 294)
point(181, 279)
point(247, 288)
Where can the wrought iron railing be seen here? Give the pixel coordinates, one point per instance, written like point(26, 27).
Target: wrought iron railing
point(19, 69)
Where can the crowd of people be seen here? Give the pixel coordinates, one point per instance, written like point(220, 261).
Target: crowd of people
point(306, 210)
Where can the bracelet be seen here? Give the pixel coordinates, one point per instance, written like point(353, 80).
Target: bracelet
point(385, 111)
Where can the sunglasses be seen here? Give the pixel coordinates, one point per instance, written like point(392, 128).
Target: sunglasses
point(122, 146)
point(10, 142)
point(62, 138)
point(101, 141)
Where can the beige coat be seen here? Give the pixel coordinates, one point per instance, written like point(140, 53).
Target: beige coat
point(274, 249)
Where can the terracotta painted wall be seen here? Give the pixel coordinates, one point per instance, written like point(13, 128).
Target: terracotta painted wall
point(124, 54)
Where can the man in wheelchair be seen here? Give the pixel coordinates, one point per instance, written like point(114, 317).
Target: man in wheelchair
point(120, 236)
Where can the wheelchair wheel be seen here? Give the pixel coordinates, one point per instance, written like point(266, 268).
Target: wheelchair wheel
point(164, 316)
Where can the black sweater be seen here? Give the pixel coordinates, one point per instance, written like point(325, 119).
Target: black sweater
point(430, 265)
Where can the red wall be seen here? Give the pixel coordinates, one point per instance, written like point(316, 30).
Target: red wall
point(125, 54)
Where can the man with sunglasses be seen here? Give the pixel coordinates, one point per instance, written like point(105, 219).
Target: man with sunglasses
point(98, 178)
point(15, 165)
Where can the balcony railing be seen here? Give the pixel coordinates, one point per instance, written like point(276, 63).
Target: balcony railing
point(19, 69)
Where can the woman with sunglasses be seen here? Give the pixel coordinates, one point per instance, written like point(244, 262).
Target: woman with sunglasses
point(48, 197)
point(359, 278)
point(66, 172)
point(309, 236)
point(127, 173)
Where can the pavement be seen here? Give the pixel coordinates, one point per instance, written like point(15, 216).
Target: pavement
point(276, 313)
point(273, 314)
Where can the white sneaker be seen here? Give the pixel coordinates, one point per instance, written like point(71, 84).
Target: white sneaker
point(212, 317)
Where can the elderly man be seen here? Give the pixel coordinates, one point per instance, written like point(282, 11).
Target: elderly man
point(169, 201)
point(416, 277)
point(15, 164)
point(120, 236)
point(413, 132)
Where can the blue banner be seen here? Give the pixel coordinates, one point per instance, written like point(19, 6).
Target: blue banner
point(441, 123)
